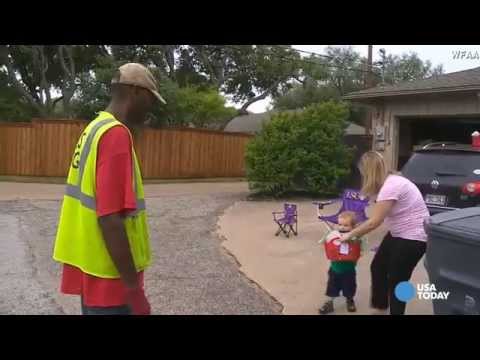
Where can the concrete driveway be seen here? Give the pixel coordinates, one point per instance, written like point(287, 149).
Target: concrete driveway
point(294, 270)
point(191, 272)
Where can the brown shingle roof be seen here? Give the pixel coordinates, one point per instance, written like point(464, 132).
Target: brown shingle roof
point(456, 81)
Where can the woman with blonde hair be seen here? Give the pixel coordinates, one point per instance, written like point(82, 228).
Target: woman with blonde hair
point(400, 205)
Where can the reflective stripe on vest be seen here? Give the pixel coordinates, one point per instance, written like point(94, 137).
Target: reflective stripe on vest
point(89, 201)
point(75, 191)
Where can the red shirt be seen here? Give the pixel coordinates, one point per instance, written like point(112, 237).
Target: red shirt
point(114, 194)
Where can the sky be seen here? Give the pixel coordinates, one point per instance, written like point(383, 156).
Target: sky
point(437, 54)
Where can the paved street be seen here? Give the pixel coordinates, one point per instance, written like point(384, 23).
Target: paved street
point(191, 272)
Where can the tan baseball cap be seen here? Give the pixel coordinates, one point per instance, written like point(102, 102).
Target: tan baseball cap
point(138, 75)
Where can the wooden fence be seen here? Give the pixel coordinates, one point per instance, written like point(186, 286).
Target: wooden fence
point(45, 148)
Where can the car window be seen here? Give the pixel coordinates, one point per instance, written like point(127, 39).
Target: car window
point(442, 163)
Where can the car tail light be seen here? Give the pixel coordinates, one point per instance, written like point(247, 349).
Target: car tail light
point(472, 188)
point(476, 139)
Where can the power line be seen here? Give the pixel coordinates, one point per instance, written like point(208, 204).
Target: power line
point(327, 65)
point(314, 53)
point(317, 64)
point(322, 55)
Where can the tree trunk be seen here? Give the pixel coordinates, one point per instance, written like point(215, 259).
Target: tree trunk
point(214, 74)
point(243, 109)
point(169, 53)
point(44, 85)
point(68, 84)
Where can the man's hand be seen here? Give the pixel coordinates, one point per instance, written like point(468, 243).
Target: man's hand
point(138, 302)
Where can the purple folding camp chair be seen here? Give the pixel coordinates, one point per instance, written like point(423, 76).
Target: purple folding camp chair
point(352, 200)
point(287, 221)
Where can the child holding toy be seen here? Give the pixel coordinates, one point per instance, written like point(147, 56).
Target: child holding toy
point(342, 274)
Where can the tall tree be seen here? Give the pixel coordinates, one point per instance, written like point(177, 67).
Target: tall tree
point(325, 78)
point(160, 56)
point(345, 69)
point(406, 67)
point(261, 71)
point(43, 75)
point(12, 107)
point(305, 94)
point(246, 73)
point(341, 71)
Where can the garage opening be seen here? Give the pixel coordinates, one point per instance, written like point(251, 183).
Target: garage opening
point(417, 132)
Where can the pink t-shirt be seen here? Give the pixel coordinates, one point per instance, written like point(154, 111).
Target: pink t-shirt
point(409, 212)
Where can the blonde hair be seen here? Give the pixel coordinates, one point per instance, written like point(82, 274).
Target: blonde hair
point(374, 172)
point(350, 216)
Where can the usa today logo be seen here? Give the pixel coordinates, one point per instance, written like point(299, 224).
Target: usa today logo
point(405, 291)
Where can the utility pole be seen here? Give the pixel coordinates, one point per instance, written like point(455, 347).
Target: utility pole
point(369, 84)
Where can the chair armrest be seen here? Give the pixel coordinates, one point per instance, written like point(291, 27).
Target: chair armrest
point(275, 213)
point(321, 204)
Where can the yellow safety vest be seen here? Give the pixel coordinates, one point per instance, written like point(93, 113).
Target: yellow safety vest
point(79, 240)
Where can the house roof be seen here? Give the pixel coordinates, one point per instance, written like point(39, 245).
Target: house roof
point(457, 81)
point(252, 123)
point(354, 129)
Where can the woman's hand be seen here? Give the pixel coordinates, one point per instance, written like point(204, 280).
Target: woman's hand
point(346, 237)
point(379, 213)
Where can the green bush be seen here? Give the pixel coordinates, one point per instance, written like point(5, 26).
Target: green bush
point(300, 151)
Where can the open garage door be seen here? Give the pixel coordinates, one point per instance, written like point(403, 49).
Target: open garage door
point(417, 132)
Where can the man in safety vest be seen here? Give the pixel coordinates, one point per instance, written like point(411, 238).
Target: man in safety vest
point(102, 238)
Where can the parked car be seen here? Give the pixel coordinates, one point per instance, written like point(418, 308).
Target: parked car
point(447, 174)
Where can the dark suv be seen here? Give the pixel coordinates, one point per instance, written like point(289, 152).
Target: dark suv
point(447, 174)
